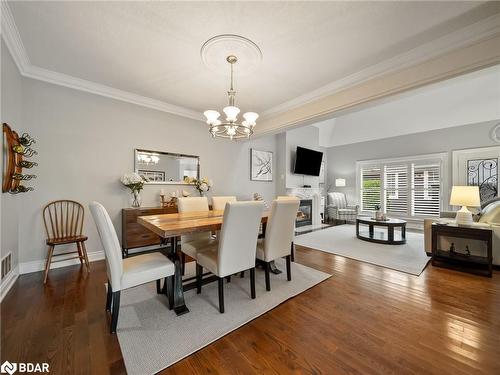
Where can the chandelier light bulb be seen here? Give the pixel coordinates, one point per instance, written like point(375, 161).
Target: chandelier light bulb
point(231, 113)
point(250, 118)
point(212, 116)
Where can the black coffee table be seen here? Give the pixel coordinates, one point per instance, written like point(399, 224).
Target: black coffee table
point(390, 224)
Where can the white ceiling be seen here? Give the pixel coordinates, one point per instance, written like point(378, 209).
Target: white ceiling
point(468, 99)
point(152, 49)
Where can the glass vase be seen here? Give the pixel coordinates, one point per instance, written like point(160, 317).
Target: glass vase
point(136, 199)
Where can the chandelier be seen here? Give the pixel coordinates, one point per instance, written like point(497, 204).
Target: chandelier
point(231, 128)
point(148, 158)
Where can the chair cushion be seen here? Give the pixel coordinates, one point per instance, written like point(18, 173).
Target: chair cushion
point(141, 269)
point(207, 258)
point(346, 210)
point(191, 248)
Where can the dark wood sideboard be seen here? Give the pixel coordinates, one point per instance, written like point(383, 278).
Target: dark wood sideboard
point(134, 235)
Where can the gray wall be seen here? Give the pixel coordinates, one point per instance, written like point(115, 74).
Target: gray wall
point(342, 159)
point(11, 113)
point(86, 142)
point(287, 143)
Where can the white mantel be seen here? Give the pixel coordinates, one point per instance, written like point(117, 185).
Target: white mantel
point(309, 193)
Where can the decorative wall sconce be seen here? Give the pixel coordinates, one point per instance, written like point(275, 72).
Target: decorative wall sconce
point(15, 149)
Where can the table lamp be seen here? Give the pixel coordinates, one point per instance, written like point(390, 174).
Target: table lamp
point(340, 182)
point(465, 196)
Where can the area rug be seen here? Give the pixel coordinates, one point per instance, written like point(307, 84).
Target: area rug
point(152, 337)
point(341, 240)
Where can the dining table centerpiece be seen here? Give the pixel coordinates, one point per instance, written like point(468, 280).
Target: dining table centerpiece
point(135, 183)
point(202, 185)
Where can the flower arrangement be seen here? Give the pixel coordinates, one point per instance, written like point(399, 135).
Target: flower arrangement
point(202, 185)
point(135, 183)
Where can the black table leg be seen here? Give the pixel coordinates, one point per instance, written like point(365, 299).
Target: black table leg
point(390, 233)
point(370, 230)
point(180, 307)
point(403, 232)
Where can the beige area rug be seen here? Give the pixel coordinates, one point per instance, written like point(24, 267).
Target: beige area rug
point(152, 337)
point(341, 240)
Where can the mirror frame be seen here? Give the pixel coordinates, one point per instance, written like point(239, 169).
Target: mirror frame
point(168, 154)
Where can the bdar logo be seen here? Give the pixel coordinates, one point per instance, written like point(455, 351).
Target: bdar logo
point(8, 368)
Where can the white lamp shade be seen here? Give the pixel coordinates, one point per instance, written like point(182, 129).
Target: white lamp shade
point(250, 117)
point(231, 113)
point(340, 182)
point(211, 116)
point(465, 196)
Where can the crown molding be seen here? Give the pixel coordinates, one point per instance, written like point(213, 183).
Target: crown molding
point(61, 79)
point(461, 38)
point(464, 37)
point(12, 38)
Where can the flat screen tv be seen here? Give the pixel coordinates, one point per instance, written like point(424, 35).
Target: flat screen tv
point(307, 161)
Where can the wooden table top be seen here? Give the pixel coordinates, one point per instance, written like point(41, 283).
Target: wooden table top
point(171, 225)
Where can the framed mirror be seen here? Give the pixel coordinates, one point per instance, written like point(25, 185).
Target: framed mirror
point(165, 167)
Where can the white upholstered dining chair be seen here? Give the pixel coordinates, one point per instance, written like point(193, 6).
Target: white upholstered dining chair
point(191, 243)
point(219, 203)
point(129, 272)
point(278, 241)
point(235, 250)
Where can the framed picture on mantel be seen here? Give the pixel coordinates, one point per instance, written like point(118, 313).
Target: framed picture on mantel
point(261, 165)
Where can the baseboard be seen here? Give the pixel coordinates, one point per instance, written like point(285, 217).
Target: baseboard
point(39, 265)
point(8, 282)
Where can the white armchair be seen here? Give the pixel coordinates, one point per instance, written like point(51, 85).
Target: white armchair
point(338, 209)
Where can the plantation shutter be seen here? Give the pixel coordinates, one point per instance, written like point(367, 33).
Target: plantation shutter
point(370, 188)
point(396, 192)
point(426, 186)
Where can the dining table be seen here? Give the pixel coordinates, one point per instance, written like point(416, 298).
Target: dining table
point(171, 226)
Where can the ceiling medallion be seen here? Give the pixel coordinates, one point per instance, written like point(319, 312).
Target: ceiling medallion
point(215, 50)
point(231, 128)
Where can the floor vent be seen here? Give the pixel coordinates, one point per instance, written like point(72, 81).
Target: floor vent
point(6, 265)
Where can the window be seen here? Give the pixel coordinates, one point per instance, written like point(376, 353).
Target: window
point(396, 189)
point(403, 187)
point(425, 189)
point(370, 190)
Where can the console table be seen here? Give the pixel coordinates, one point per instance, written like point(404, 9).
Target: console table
point(134, 235)
point(458, 259)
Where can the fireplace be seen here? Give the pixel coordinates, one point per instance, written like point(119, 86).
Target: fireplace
point(304, 214)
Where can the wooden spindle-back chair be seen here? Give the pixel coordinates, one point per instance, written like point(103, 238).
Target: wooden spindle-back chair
point(63, 220)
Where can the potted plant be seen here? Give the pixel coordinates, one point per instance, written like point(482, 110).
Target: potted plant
point(379, 215)
point(135, 183)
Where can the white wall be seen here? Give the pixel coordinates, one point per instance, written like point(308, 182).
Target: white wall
point(342, 159)
point(468, 99)
point(86, 142)
point(11, 113)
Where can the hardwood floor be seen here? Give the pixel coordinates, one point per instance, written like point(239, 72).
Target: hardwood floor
point(364, 320)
